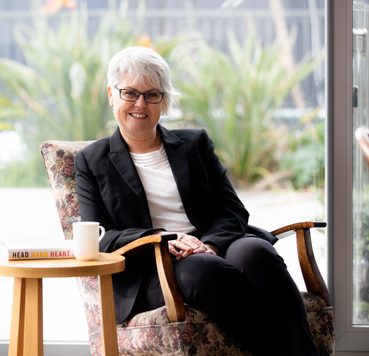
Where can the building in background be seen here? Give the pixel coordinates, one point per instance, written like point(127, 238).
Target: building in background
point(214, 19)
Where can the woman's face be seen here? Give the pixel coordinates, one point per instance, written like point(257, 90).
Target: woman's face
point(137, 120)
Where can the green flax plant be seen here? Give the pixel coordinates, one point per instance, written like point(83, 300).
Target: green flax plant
point(60, 88)
point(234, 95)
point(305, 156)
point(8, 112)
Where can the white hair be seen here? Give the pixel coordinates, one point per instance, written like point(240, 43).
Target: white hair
point(142, 64)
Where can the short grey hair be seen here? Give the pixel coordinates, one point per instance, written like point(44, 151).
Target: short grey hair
point(143, 63)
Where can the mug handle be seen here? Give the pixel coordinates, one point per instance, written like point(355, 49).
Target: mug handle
point(102, 232)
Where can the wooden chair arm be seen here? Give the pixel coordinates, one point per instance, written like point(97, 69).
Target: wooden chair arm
point(139, 244)
point(313, 279)
point(172, 295)
point(290, 229)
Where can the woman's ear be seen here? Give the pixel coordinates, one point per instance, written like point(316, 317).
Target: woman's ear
point(110, 95)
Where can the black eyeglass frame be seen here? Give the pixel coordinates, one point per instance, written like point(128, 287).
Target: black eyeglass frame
point(139, 93)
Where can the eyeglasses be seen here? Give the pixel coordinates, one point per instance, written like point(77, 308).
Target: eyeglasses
point(150, 97)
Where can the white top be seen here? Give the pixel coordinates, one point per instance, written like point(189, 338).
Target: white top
point(162, 194)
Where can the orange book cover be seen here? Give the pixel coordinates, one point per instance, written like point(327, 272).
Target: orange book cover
point(36, 250)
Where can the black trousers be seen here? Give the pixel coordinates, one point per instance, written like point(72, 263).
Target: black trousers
point(248, 293)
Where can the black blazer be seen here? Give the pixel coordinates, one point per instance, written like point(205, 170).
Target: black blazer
point(110, 191)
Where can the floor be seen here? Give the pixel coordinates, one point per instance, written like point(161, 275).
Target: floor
point(31, 213)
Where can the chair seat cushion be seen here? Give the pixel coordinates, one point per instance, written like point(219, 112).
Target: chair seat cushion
point(320, 318)
point(150, 333)
point(196, 336)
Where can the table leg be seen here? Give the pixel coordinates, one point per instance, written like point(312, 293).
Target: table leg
point(17, 323)
point(109, 331)
point(33, 323)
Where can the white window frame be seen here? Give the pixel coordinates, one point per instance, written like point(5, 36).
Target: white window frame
point(350, 340)
point(57, 349)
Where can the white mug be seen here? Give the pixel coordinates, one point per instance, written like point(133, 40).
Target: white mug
point(86, 236)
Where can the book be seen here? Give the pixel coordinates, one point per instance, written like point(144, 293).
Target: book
point(36, 250)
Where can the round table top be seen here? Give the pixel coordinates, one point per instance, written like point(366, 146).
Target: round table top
point(105, 263)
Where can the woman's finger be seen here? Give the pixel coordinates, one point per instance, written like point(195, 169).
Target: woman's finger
point(193, 242)
point(177, 251)
point(182, 245)
point(186, 245)
point(172, 249)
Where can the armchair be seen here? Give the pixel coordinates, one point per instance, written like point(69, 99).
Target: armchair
point(175, 329)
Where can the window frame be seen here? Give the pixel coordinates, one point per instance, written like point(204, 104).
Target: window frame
point(55, 348)
point(339, 176)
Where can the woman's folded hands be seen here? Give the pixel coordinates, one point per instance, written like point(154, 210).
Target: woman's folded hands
point(186, 245)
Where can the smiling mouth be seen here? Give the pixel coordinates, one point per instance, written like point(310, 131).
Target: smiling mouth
point(138, 116)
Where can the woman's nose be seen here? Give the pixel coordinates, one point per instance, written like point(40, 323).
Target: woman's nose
point(140, 101)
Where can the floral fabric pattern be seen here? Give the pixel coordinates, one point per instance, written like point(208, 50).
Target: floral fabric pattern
point(59, 162)
point(321, 319)
point(150, 333)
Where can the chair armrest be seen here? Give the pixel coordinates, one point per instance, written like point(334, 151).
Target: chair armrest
point(290, 229)
point(172, 295)
point(139, 244)
point(313, 279)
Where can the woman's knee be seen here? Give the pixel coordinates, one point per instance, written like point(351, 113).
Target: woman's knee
point(203, 273)
point(252, 252)
point(199, 267)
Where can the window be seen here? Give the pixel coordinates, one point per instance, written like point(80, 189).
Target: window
point(347, 70)
point(292, 192)
point(360, 189)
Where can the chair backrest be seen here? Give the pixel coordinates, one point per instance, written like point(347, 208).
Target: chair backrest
point(58, 158)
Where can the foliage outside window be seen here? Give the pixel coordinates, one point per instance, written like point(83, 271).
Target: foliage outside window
point(236, 95)
point(60, 93)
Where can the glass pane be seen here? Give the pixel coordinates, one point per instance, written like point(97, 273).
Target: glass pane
point(283, 179)
point(360, 167)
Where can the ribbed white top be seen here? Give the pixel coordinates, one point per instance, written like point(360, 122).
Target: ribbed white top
point(162, 194)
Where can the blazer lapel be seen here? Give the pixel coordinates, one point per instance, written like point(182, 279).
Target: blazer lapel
point(122, 161)
point(176, 150)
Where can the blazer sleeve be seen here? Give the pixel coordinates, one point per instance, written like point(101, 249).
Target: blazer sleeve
point(229, 217)
point(229, 220)
point(92, 208)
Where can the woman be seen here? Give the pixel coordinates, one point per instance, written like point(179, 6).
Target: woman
point(145, 179)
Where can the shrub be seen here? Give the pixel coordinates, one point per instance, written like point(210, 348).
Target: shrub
point(60, 90)
point(234, 95)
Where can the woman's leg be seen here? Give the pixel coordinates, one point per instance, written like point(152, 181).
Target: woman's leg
point(249, 294)
point(285, 323)
point(209, 283)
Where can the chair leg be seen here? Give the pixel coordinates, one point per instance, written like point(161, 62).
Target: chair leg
point(17, 325)
point(109, 331)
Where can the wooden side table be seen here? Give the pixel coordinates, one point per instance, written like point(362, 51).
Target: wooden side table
point(26, 334)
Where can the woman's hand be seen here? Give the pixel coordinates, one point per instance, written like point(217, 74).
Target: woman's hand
point(186, 245)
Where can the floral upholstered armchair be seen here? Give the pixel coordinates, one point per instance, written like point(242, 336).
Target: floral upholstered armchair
point(175, 329)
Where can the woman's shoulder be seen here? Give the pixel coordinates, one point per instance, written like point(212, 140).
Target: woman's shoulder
point(95, 147)
point(195, 137)
point(190, 134)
